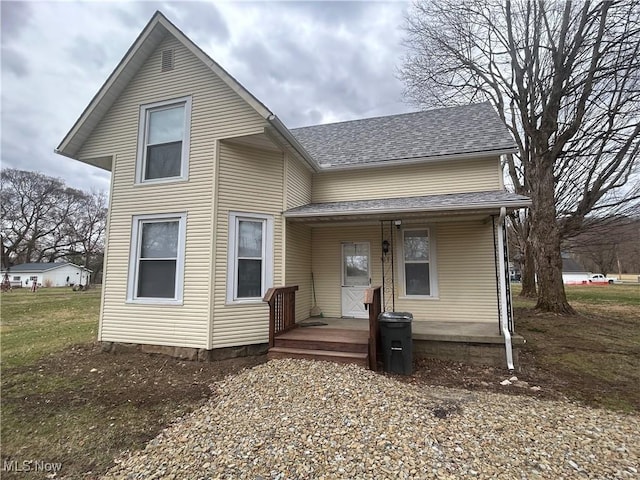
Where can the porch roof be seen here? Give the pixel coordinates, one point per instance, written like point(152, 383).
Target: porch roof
point(463, 203)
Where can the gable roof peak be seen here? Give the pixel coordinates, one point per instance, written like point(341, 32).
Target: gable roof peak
point(155, 31)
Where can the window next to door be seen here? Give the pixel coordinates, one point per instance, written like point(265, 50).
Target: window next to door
point(250, 257)
point(418, 266)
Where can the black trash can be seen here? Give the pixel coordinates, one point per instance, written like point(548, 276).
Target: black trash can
point(397, 346)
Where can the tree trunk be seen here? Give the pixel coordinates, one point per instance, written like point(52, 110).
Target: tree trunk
point(545, 236)
point(528, 272)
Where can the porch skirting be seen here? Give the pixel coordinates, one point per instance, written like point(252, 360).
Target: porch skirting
point(473, 343)
point(465, 342)
point(480, 354)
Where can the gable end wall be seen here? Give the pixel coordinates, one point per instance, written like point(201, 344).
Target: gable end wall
point(217, 112)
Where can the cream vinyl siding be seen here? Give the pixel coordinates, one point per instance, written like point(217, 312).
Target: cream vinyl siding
point(466, 276)
point(217, 112)
point(464, 263)
point(249, 181)
point(298, 183)
point(436, 178)
point(298, 267)
point(298, 243)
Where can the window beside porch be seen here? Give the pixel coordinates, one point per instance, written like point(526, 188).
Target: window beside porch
point(416, 258)
point(250, 260)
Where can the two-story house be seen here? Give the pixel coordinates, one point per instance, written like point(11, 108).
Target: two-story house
point(214, 201)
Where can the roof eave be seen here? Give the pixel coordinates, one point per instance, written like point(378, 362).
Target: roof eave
point(438, 209)
point(295, 144)
point(63, 148)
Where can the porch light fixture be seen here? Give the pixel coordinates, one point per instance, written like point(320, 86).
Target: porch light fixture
point(397, 223)
point(385, 246)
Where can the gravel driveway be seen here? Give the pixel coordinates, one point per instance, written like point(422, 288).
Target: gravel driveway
point(301, 419)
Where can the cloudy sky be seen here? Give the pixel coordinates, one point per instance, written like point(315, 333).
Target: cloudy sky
point(309, 62)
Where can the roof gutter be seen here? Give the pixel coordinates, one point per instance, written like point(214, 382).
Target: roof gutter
point(297, 146)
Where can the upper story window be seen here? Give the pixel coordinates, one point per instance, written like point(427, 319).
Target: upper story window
point(417, 263)
point(163, 141)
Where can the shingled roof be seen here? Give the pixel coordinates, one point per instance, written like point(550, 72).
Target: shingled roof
point(454, 202)
point(42, 266)
point(445, 132)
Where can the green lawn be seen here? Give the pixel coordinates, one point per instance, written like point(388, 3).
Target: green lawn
point(35, 324)
point(63, 400)
point(601, 295)
point(66, 401)
point(624, 294)
point(593, 356)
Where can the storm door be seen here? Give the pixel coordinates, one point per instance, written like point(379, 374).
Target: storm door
point(356, 278)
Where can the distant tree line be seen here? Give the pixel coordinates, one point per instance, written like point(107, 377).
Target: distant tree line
point(608, 245)
point(44, 220)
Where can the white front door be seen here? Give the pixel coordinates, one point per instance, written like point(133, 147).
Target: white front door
point(356, 278)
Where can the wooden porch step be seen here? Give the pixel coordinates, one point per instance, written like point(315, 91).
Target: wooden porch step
point(358, 358)
point(333, 339)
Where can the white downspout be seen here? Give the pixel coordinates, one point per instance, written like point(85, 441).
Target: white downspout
point(503, 292)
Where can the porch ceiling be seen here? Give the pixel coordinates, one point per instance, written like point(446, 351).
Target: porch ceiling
point(391, 208)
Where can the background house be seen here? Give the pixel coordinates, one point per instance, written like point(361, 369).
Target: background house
point(59, 274)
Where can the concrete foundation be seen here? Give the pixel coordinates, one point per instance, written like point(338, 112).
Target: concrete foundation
point(470, 353)
point(186, 353)
point(472, 343)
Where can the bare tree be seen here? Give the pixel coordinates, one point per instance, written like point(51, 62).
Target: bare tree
point(565, 78)
point(44, 220)
point(88, 228)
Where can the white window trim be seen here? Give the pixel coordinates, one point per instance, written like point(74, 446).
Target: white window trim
point(142, 147)
point(137, 221)
point(433, 271)
point(232, 257)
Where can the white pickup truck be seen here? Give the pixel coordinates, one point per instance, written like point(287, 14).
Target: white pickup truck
point(599, 278)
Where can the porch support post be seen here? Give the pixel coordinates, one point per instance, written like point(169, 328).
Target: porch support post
point(502, 287)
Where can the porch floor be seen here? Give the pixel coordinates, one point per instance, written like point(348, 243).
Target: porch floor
point(463, 332)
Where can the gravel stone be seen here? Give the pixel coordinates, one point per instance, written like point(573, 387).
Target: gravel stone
point(298, 419)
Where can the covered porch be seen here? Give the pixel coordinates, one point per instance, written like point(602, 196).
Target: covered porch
point(442, 258)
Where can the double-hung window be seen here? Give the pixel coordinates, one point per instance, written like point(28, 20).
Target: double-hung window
point(163, 140)
point(157, 258)
point(250, 257)
point(417, 268)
